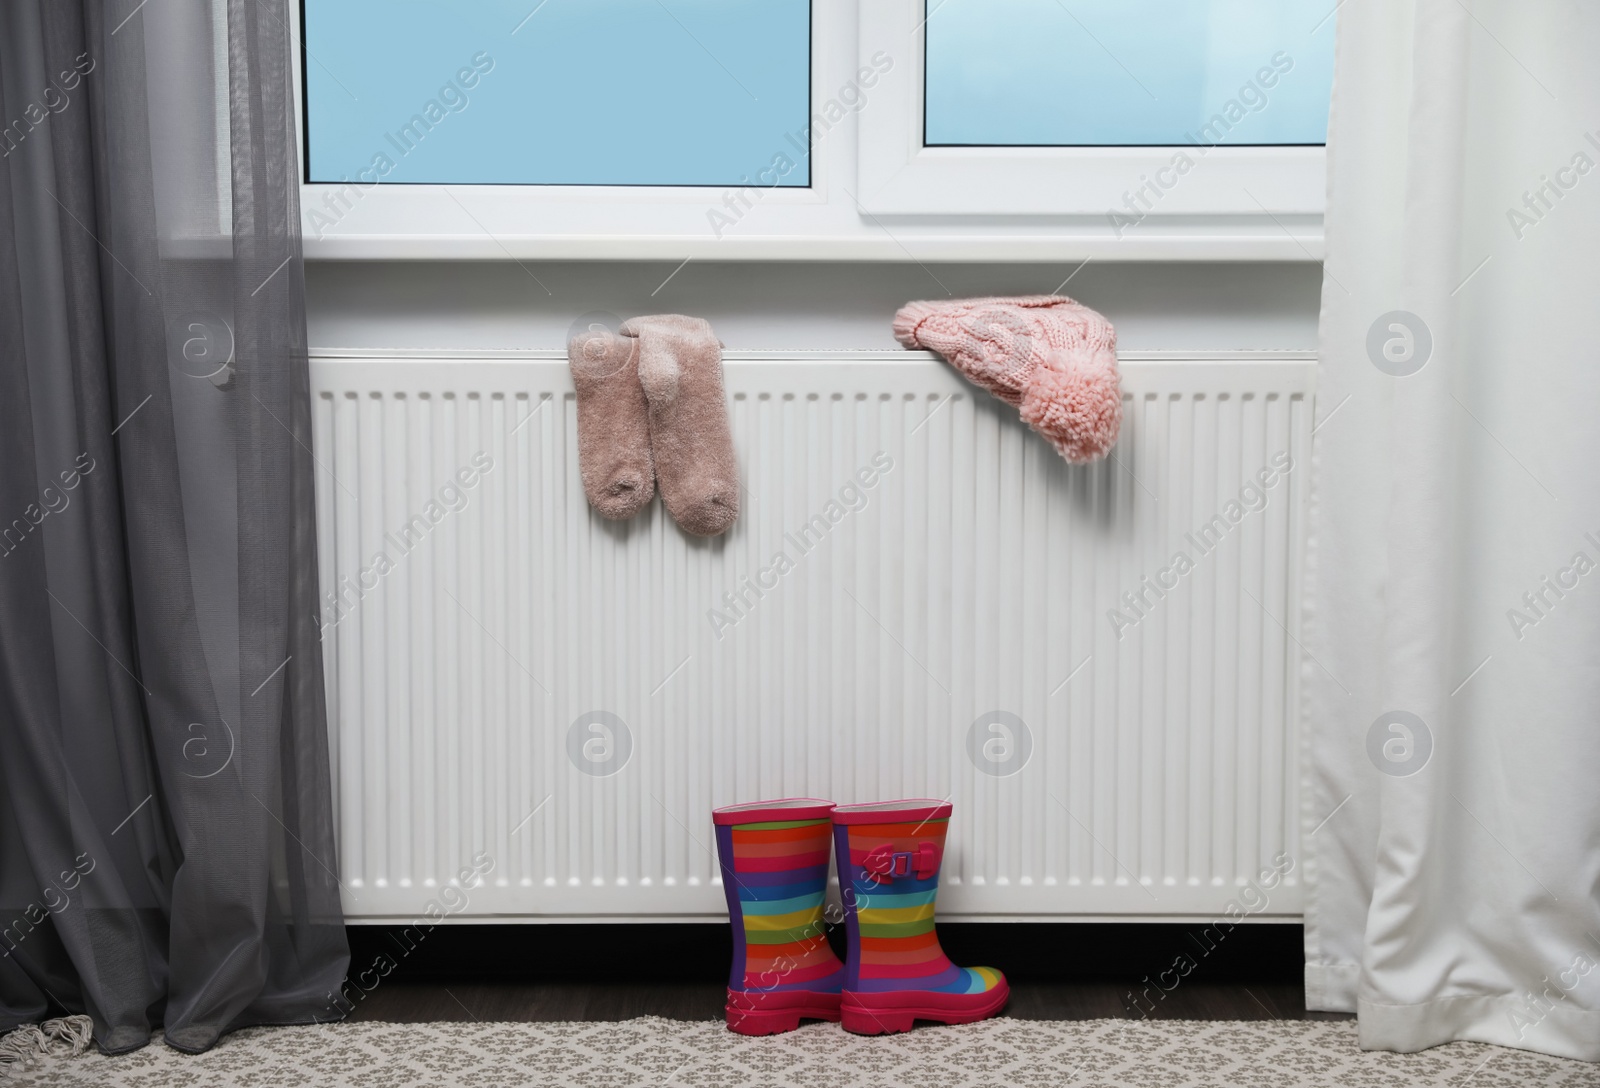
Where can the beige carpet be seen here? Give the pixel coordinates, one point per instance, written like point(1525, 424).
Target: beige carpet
point(671, 1053)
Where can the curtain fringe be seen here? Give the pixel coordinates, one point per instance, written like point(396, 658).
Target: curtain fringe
point(19, 1048)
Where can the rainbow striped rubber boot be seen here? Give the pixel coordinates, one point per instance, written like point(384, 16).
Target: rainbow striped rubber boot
point(896, 973)
point(774, 857)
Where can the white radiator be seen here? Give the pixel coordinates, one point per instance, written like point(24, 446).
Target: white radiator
point(535, 710)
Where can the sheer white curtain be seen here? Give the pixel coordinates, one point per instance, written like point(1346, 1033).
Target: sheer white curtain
point(1452, 829)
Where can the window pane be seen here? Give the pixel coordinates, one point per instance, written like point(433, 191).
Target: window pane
point(563, 92)
point(1128, 72)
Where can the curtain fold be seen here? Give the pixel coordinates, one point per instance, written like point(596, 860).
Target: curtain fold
point(166, 835)
point(1452, 679)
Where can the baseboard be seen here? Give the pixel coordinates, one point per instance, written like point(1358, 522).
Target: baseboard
point(637, 953)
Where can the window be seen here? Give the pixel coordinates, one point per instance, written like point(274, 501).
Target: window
point(1127, 73)
point(564, 92)
point(1132, 111)
point(820, 129)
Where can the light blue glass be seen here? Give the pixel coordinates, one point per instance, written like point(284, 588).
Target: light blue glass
point(1128, 72)
point(559, 92)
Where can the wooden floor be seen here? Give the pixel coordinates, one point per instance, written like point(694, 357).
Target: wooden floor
point(417, 1002)
point(617, 972)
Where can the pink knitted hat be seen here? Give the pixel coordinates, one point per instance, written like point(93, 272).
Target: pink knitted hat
point(1052, 358)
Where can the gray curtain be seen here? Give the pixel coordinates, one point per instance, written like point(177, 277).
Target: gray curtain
point(166, 840)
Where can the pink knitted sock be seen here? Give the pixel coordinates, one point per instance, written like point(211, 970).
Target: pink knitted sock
point(680, 369)
point(1053, 359)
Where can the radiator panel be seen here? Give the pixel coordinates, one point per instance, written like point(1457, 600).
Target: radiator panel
point(973, 579)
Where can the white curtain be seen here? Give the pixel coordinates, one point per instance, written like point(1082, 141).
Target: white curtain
point(1452, 673)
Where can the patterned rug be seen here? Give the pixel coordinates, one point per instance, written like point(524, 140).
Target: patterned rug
point(650, 1051)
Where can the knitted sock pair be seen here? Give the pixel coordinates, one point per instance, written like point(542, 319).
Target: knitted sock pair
point(651, 411)
point(774, 857)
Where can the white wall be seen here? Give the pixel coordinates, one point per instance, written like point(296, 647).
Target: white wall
point(793, 305)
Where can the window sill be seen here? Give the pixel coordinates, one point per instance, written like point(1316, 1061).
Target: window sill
point(1288, 238)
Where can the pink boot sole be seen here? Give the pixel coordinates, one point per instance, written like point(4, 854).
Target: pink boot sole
point(882, 1014)
point(772, 1013)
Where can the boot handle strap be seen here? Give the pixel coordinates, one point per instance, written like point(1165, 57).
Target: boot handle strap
point(886, 863)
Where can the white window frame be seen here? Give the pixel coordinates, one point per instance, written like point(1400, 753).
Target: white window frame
point(899, 176)
point(875, 194)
